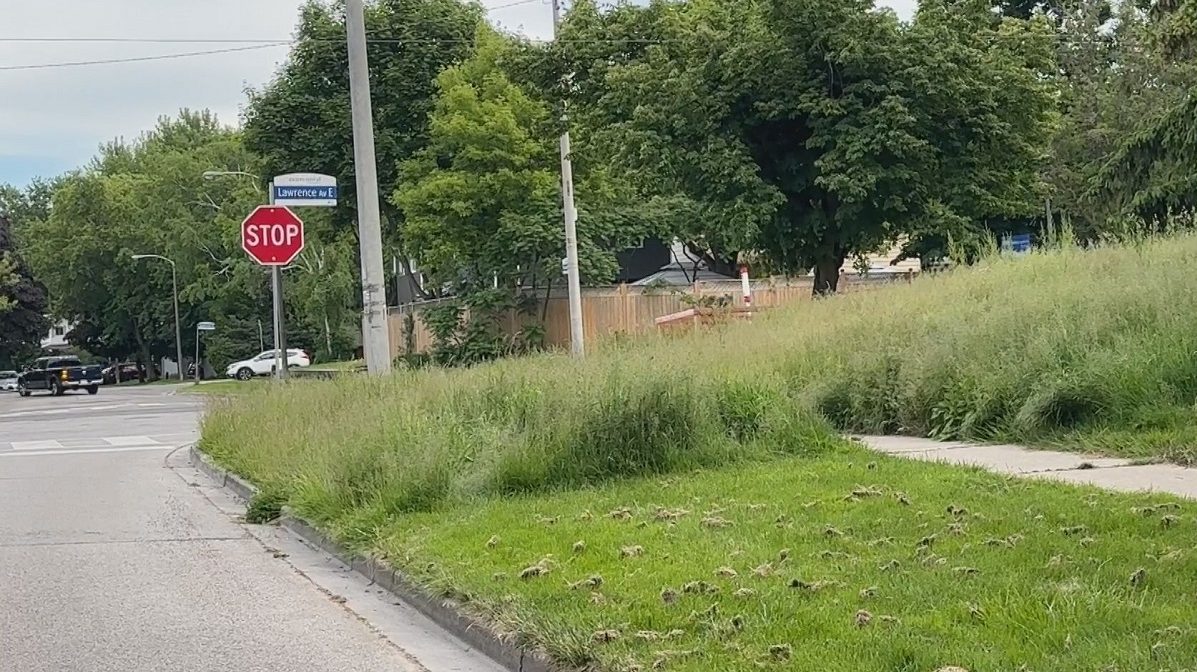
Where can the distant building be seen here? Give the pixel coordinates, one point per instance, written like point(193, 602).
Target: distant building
point(682, 270)
point(55, 340)
point(881, 263)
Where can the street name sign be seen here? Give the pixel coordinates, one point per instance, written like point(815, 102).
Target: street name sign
point(306, 190)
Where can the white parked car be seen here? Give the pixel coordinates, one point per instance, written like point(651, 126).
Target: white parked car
point(8, 381)
point(263, 364)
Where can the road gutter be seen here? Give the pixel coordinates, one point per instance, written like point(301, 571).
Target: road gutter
point(446, 613)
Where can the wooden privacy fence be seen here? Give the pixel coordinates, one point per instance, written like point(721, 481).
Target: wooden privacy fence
point(624, 309)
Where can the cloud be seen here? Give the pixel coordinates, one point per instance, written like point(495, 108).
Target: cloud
point(54, 119)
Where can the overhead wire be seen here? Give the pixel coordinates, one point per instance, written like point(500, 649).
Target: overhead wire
point(139, 59)
point(249, 45)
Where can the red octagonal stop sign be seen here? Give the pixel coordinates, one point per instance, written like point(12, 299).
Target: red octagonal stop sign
point(272, 235)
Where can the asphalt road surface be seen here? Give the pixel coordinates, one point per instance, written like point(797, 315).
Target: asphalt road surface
point(115, 554)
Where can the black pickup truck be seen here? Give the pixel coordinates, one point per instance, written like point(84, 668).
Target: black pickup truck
point(56, 375)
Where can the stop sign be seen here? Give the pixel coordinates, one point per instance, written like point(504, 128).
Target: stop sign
point(272, 235)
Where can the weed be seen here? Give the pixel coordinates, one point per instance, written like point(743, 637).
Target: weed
point(266, 506)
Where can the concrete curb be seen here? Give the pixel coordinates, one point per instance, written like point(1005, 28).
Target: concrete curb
point(443, 612)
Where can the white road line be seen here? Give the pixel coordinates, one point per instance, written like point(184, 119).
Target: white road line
point(21, 414)
point(62, 411)
point(87, 451)
point(49, 444)
point(124, 441)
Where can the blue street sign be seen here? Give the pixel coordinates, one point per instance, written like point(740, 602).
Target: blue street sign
point(282, 194)
point(305, 189)
point(1020, 243)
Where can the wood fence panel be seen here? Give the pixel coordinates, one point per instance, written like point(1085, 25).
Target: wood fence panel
point(607, 311)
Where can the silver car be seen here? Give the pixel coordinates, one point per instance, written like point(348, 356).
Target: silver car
point(8, 381)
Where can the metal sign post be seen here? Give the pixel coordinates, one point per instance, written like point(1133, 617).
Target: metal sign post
point(200, 328)
point(273, 236)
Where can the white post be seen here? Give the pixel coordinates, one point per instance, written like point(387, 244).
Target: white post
point(745, 287)
point(375, 337)
point(276, 287)
point(573, 279)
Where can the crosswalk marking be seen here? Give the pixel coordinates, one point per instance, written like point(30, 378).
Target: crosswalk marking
point(125, 441)
point(97, 443)
point(36, 445)
point(83, 451)
point(87, 408)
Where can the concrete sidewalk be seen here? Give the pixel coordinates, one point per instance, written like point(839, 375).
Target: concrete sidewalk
point(1105, 472)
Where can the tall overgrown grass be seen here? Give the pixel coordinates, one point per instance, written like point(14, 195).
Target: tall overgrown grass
point(1094, 349)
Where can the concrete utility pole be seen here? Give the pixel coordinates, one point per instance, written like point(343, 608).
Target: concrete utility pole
point(577, 345)
point(375, 337)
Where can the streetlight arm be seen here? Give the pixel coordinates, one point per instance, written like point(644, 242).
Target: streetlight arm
point(212, 174)
point(154, 256)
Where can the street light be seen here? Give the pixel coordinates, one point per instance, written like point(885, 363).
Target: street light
point(174, 283)
point(212, 174)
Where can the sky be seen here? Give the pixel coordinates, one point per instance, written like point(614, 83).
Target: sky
point(53, 119)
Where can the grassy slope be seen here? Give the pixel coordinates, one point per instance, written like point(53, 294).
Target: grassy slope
point(1087, 349)
point(1052, 588)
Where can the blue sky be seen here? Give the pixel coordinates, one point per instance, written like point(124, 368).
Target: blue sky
point(52, 120)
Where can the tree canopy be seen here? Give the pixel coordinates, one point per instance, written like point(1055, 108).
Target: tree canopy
point(301, 121)
point(791, 134)
point(807, 132)
point(23, 303)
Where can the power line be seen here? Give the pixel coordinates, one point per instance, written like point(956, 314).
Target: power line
point(256, 45)
point(145, 40)
point(139, 59)
point(201, 40)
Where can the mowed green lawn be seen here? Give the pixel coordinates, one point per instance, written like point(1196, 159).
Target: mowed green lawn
point(846, 562)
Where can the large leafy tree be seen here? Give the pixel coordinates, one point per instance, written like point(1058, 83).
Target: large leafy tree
point(1115, 82)
point(23, 304)
point(29, 204)
point(481, 200)
point(809, 131)
point(301, 121)
point(1150, 171)
point(149, 197)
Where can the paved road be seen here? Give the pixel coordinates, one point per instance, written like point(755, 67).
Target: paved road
point(116, 555)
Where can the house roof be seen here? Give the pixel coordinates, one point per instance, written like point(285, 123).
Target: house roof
point(676, 277)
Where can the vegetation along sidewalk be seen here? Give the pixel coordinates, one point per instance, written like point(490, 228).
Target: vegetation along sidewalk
point(688, 503)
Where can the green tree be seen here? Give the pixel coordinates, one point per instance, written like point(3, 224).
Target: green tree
point(149, 197)
point(481, 200)
point(810, 131)
point(27, 205)
point(1150, 171)
point(301, 120)
point(23, 304)
point(1114, 82)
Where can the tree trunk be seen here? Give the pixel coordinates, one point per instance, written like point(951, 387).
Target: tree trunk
point(143, 353)
point(827, 275)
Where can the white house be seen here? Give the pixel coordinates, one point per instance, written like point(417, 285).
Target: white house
point(56, 338)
